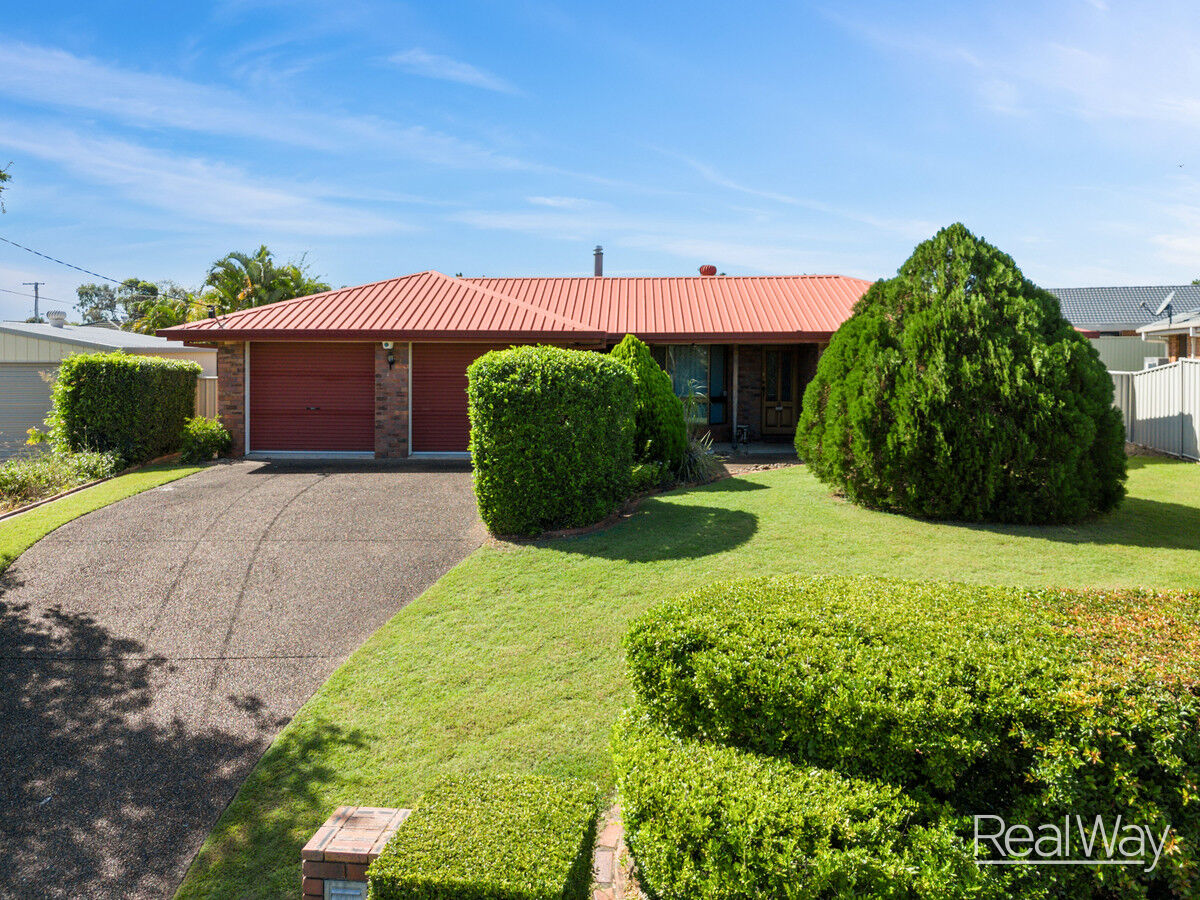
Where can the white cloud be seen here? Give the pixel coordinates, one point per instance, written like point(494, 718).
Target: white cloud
point(1122, 66)
point(190, 188)
point(770, 250)
point(443, 68)
point(563, 202)
point(50, 77)
point(916, 229)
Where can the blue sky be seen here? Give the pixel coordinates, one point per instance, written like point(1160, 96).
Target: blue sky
point(508, 138)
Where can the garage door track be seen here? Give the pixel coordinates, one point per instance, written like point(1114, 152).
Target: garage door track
point(151, 650)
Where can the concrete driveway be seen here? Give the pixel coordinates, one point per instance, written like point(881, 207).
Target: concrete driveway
point(151, 650)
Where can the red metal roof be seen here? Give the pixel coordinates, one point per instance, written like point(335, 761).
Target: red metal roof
point(700, 308)
point(433, 306)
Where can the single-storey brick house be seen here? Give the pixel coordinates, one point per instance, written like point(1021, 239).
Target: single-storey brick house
point(380, 370)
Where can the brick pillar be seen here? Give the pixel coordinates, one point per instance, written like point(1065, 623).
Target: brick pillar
point(750, 375)
point(231, 393)
point(391, 402)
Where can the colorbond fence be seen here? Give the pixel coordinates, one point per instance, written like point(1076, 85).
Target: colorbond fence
point(206, 396)
point(1161, 407)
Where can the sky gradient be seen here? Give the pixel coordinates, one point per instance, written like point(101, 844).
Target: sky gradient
point(508, 138)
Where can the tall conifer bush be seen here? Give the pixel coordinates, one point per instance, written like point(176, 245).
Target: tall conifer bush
point(957, 390)
point(661, 432)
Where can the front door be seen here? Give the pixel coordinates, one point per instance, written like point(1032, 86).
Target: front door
point(779, 390)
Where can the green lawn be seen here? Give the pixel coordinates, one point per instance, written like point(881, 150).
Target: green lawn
point(19, 533)
point(512, 662)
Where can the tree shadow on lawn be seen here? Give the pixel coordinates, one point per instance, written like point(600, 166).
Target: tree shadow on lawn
point(99, 797)
point(661, 531)
point(1136, 522)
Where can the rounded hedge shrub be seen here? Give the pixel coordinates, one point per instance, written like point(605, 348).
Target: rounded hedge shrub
point(1028, 705)
point(551, 437)
point(957, 390)
point(133, 406)
point(204, 438)
point(661, 435)
point(712, 822)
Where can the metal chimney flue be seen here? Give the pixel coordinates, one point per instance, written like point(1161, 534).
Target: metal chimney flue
point(599, 267)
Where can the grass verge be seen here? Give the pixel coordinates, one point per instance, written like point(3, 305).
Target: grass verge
point(21, 532)
point(512, 662)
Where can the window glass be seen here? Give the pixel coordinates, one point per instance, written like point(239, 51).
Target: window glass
point(687, 364)
point(716, 372)
point(772, 367)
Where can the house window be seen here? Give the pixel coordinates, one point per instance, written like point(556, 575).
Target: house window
point(699, 368)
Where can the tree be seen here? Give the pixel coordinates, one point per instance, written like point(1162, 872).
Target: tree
point(4, 179)
point(122, 304)
point(96, 301)
point(956, 390)
point(241, 280)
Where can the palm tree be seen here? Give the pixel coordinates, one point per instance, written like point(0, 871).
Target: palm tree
point(242, 280)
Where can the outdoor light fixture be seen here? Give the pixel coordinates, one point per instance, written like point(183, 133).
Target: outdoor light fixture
point(387, 345)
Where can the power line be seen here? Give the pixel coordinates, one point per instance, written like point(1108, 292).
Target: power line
point(59, 261)
point(30, 296)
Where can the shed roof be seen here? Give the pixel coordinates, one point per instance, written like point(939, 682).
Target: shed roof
point(93, 337)
point(433, 306)
point(1120, 308)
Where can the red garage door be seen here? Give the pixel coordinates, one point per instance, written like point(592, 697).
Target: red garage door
point(312, 396)
point(439, 395)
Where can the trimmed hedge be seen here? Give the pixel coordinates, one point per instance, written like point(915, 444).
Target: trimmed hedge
point(497, 838)
point(661, 435)
point(957, 390)
point(204, 438)
point(134, 406)
point(551, 437)
point(708, 821)
point(971, 700)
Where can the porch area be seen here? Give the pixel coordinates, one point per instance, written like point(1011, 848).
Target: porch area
point(749, 395)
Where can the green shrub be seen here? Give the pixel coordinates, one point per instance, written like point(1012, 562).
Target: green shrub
point(1028, 705)
point(661, 433)
point(646, 476)
point(700, 464)
point(27, 479)
point(134, 406)
point(957, 390)
point(707, 822)
point(499, 838)
point(551, 437)
point(203, 439)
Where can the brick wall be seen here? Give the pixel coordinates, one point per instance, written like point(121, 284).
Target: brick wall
point(231, 393)
point(391, 402)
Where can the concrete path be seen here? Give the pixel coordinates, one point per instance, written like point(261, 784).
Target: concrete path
point(151, 650)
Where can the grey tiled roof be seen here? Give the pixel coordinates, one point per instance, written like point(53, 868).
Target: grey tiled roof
point(1120, 308)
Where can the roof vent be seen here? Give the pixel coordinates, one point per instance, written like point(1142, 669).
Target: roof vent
point(708, 270)
point(57, 318)
point(599, 267)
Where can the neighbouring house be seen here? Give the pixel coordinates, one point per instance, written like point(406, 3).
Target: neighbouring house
point(380, 369)
point(1113, 318)
point(30, 353)
point(1181, 331)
